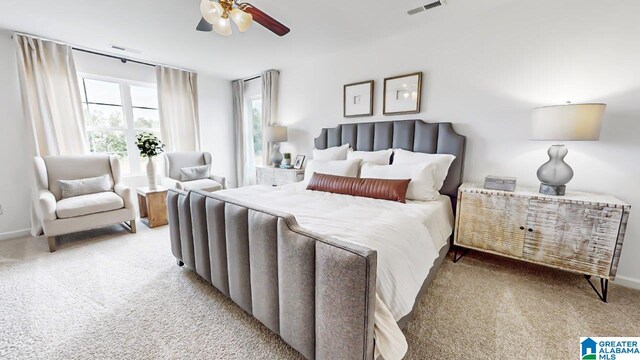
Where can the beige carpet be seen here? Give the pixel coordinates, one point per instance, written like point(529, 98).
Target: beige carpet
point(119, 295)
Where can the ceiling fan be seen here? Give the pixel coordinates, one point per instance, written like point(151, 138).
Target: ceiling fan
point(216, 15)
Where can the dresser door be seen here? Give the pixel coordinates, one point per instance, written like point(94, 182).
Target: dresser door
point(282, 177)
point(493, 222)
point(572, 236)
point(266, 176)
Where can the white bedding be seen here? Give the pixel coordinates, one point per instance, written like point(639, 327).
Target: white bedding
point(407, 238)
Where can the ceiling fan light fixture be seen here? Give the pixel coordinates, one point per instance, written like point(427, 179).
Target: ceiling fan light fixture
point(217, 16)
point(222, 26)
point(211, 11)
point(242, 19)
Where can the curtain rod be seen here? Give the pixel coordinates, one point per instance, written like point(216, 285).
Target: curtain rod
point(121, 58)
point(251, 78)
point(257, 76)
point(112, 56)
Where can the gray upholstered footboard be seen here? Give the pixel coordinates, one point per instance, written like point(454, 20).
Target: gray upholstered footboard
point(317, 293)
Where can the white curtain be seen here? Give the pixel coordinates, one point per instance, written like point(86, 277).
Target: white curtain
point(51, 103)
point(178, 105)
point(245, 164)
point(50, 97)
point(270, 81)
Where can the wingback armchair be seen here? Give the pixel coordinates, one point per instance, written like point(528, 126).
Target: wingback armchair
point(59, 216)
point(178, 160)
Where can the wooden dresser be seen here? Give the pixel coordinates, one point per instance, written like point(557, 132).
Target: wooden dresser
point(269, 175)
point(579, 232)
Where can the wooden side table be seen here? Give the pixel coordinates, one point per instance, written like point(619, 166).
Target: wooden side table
point(153, 205)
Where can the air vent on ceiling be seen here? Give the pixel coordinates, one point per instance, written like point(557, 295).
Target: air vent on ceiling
point(426, 7)
point(122, 48)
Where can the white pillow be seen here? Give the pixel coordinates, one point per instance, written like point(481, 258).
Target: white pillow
point(381, 157)
point(422, 186)
point(442, 161)
point(334, 167)
point(71, 188)
point(333, 153)
point(195, 173)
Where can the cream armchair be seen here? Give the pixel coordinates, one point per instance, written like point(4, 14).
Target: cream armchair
point(175, 161)
point(59, 216)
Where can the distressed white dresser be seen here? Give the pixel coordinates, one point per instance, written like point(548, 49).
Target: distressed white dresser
point(273, 176)
point(579, 232)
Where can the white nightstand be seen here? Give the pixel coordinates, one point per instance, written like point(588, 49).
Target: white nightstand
point(268, 175)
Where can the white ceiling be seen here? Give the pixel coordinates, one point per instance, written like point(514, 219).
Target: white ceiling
point(164, 30)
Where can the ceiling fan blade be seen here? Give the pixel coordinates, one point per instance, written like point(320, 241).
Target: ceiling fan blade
point(265, 20)
point(203, 25)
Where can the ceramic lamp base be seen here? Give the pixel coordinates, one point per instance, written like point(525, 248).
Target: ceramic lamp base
point(276, 156)
point(557, 190)
point(555, 174)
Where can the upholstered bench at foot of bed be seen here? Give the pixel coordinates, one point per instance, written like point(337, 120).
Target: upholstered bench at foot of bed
point(317, 293)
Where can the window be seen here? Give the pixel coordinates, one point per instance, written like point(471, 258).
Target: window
point(252, 130)
point(256, 118)
point(115, 111)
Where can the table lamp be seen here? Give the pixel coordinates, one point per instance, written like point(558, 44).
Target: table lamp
point(570, 122)
point(276, 135)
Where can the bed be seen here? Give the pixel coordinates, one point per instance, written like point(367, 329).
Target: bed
point(295, 261)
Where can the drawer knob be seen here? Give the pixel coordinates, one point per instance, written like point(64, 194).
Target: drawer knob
point(521, 227)
point(530, 230)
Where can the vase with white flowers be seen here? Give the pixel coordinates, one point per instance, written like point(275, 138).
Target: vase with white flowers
point(150, 147)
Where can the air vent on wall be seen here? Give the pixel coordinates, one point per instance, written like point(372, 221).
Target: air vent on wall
point(426, 7)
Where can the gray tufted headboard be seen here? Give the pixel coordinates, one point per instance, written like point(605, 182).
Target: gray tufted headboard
point(411, 135)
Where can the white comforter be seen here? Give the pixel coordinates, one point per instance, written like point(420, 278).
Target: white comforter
point(407, 238)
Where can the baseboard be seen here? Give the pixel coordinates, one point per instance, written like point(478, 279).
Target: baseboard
point(15, 234)
point(627, 282)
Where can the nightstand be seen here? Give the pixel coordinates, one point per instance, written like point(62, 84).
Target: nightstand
point(272, 176)
point(579, 232)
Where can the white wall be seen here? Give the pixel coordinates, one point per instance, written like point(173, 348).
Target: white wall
point(15, 164)
point(485, 73)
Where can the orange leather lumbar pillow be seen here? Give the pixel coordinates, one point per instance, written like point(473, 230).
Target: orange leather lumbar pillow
point(385, 189)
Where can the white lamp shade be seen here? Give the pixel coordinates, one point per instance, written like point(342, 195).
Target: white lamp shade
point(242, 19)
point(211, 11)
point(222, 26)
point(275, 134)
point(571, 122)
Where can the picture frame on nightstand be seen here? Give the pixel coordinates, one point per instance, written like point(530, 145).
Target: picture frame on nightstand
point(299, 162)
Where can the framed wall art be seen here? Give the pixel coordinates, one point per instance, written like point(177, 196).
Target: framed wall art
point(358, 99)
point(402, 94)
